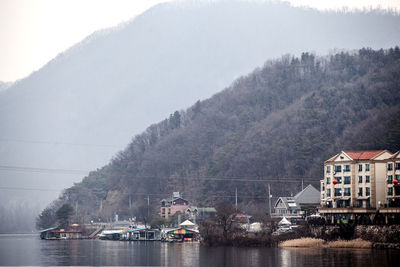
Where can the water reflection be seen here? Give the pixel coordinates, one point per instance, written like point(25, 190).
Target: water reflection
point(337, 257)
point(30, 250)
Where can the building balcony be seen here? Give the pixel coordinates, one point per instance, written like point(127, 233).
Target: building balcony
point(346, 210)
point(390, 210)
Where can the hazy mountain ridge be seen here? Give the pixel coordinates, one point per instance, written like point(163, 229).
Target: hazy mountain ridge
point(4, 86)
point(277, 124)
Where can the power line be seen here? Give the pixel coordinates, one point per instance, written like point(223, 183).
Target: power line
point(192, 178)
point(133, 194)
point(56, 143)
point(41, 170)
point(27, 189)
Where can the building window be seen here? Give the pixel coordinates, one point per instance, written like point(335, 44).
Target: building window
point(338, 168)
point(347, 180)
point(360, 167)
point(390, 191)
point(323, 196)
point(328, 180)
point(390, 166)
point(397, 165)
point(367, 178)
point(328, 169)
point(328, 192)
point(346, 192)
point(339, 180)
point(367, 191)
point(390, 179)
point(360, 179)
point(347, 168)
point(338, 192)
point(360, 203)
point(367, 167)
point(397, 177)
point(360, 191)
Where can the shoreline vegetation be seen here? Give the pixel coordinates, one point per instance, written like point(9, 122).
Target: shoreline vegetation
point(307, 236)
point(309, 242)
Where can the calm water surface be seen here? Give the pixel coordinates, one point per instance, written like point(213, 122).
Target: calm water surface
point(30, 250)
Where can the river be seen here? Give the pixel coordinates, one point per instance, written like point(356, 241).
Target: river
point(30, 250)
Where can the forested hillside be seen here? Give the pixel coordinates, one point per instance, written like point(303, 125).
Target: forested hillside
point(277, 124)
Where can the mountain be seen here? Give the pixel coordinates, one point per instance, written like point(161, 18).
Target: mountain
point(4, 86)
point(75, 113)
point(276, 125)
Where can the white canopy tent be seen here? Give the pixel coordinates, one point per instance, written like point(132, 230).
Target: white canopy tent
point(187, 224)
point(284, 221)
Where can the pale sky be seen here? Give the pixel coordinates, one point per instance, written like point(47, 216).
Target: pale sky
point(34, 31)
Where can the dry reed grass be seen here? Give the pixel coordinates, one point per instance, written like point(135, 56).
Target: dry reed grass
point(355, 243)
point(305, 242)
point(308, 242)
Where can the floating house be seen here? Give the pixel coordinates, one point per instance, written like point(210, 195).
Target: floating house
point(59, 233)
point(111, 234)
point(143, 234)
point(182, 235)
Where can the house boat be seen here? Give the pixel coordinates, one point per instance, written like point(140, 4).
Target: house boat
point(60, 234)
point(181, 235)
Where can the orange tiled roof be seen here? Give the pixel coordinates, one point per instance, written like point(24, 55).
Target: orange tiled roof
point(368, 154)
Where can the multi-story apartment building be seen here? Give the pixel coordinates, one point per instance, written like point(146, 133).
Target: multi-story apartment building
point(354, 184)
point(393, 180)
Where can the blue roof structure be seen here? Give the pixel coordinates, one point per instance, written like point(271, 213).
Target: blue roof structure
point(136, 229)
point(48, 229)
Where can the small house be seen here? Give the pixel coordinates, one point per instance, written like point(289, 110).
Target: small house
point(200, 214)
point(292, 207)
point(172, 205)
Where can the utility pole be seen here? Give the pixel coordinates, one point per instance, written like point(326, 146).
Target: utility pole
point(269, 199)
point(236, 199)
point(130, 206)
point(148, 205)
